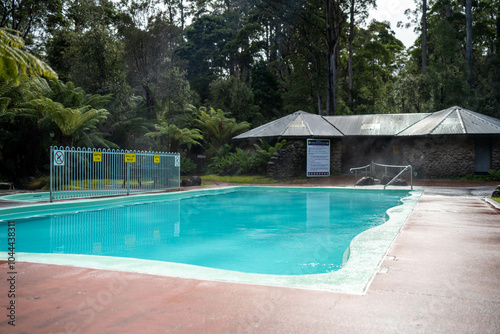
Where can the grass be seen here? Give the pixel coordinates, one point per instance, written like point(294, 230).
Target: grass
point(250, 179)
point(497, 199)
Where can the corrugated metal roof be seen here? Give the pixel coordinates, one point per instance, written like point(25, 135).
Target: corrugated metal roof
point(475, 123)
point(374, 125)
point(451, 121)
point(298, 124)
point(454, 121)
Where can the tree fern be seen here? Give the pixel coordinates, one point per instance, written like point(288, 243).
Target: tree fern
point(15, 61)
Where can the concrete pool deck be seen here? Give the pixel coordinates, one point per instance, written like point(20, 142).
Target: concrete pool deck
point(441, 275)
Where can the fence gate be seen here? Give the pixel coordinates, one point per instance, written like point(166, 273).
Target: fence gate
point(85, 172)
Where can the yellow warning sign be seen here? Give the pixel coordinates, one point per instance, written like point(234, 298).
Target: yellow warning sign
point(156, 159)
point(129, 157)
point(97, 156)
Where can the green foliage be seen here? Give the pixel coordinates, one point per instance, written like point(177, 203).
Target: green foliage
point(218, 130)
point(72, 122)
point(172, 138)
point(264, 152)
point(266, 93)
point(235, 97)
point(494, 175)
point(235, 163)
point(249, 179)
point(15, 61)
point(29, 117)
point(204, 51)
point(188, 167)
point(241, 162)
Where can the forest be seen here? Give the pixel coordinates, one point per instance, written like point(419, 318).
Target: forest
point(186, 76)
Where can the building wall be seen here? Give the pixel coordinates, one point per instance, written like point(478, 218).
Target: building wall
point(431, 157)
point(495, 153)
point(361, 151)
point(288, 162)
point(440, 156)
point(292, 160)
point(335, 156)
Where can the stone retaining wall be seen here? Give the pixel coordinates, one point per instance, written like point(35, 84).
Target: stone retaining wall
point(431, 157)
point(495, 153)
point(291, 161)
point(440, 156)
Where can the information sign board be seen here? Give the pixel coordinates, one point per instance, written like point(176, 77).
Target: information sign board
point(129, 157)
point(59, 158)
point(318, 157)
point(97, 156)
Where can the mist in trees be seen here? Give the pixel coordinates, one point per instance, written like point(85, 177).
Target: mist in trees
point(158, 66)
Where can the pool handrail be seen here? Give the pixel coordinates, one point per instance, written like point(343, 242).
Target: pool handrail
point(371, 169)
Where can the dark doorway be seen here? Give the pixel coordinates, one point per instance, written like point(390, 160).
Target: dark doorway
point(483, 155)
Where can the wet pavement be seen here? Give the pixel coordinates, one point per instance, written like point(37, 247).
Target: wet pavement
point(441, 275)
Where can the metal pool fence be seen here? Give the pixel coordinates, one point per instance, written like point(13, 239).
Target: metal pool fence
point(85, 172)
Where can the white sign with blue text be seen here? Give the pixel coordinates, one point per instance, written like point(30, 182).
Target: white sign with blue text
point(318, 157)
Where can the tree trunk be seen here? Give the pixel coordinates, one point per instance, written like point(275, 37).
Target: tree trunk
point(468, 47)
point(349, 62)
point(150, 101)
point(181, 8)
point(331, 41)
point(320, 104)
point(498, 31)
point(424, 36)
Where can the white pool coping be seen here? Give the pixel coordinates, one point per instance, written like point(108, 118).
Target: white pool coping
point(367, 250)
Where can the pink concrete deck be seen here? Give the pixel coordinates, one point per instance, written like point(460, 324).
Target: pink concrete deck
point(442, 275)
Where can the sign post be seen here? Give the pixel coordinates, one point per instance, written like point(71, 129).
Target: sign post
point(318, 157)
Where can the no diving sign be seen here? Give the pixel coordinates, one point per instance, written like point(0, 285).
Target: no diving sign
point(59, 158)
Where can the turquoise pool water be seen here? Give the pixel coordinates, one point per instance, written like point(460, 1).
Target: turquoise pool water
point(264, 231)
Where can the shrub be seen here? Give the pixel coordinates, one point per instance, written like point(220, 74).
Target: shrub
point(236, 163)
point(187, 165)
point(494, 175)
point(264, 152)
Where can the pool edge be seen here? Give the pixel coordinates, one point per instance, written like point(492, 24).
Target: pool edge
point(368, 249)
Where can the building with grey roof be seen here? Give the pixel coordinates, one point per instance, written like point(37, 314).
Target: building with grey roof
point(453, 142)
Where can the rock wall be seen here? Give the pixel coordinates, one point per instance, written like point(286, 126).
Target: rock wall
point(440, 156)
point(495, 153)
point(288, 162)
point(292, 160)
point(335, 157)
point(431, 157)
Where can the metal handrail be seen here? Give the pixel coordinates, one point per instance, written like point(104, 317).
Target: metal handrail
point(355, 169)
point(372, 164)
point(395, 177)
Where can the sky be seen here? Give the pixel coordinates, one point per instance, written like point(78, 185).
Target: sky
point(393, 11)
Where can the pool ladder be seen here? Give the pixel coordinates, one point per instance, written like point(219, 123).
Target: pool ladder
point(369, 170)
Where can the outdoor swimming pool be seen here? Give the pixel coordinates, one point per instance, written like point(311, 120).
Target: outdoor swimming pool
point(294, 232)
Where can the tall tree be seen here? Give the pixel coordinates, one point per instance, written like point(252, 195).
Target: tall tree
point(424, 35)
point(468, 47)
point(205, 52)
point(332, 39)
point(32, 18)
point(358, 9)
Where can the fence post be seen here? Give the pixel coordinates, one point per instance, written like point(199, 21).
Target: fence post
point(128, 177)
point(51, 172)
point(411, 176)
